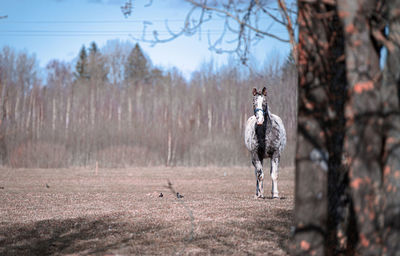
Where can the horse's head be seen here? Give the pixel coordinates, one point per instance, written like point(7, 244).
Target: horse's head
point(260, 105)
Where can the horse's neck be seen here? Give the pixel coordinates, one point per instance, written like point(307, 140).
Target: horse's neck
point(268, 115)
point(268, 120)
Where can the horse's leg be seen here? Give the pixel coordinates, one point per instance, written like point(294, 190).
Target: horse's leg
point(274, 176)
point(253, 161)
point(261, 179)
point(257, 184)
point(259, 176)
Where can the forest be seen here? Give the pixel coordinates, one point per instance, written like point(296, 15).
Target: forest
point(112, 108)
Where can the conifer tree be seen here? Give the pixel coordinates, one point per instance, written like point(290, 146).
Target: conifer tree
point(82, 64)
point(93, 48)
point(96, 67)
point(137, 66)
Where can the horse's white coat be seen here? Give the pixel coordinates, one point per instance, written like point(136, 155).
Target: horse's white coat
point(259, 105)
point(275, 141)
point(278, 141)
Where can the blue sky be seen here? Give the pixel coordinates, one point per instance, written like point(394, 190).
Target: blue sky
point(57, 29)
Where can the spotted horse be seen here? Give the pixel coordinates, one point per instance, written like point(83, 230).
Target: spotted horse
point(265, 137)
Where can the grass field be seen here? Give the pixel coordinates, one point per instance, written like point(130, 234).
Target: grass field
point(119, 212)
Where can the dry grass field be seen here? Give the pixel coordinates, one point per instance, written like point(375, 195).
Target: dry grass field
point(119, 212)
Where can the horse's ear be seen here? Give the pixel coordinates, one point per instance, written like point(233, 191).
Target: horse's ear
point(264, 91)
point(254, 91)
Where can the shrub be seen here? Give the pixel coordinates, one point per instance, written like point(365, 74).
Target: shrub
point(38, 155)
point(124, 156)
point(219, 151)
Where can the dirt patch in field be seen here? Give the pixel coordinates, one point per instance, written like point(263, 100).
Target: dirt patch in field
point(119, 211)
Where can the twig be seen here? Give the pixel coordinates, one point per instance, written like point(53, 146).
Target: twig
point(237, 19)
point(289, 28)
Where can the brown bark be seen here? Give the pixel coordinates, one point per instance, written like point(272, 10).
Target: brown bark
point(289, 27)
point(357, 118)
point(365, 133)
point(391, 150)
point(322, 93)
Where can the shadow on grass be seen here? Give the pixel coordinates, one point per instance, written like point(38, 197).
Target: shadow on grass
point(252, 233)
point(91, 235)
point(257, 234)
point(275, 229)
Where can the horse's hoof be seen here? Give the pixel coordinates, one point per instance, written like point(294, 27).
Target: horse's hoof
point(275, 197)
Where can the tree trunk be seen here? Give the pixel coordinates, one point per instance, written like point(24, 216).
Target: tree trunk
point(92, 111)
point(67, 113)
point(210, 116)
point(110, 108)
point(119, 116)
point(3, 99)
point(129, 111)
point(3, 125)
point(322, 85)
point(16, 111)
point(358, 120)
point(29, 112)
point(364, 133)
point(169, 147)
point(33, 116)
point(54, 115)
point(391, 166)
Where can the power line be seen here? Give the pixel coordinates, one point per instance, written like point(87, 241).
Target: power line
point(135, 33)
point(92, 21)
point(103, 21)
point(65, 35)
point(75, 35)
point(96, 31)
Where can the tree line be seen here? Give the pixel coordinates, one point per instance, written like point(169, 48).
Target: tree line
point(111, 106)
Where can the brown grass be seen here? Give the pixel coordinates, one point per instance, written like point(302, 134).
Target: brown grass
point(118, 211)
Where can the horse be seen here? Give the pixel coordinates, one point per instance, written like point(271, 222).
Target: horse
point(265, 137)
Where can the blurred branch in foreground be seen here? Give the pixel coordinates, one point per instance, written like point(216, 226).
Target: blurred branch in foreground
point(243, 25)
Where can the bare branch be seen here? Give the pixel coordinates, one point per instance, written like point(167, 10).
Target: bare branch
point(149, 3)
point(289, 27)
point(277, 9)
point(237, 19)
point(187, 30)
point(127, 8)
point(269, 13)
point(241, 18)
